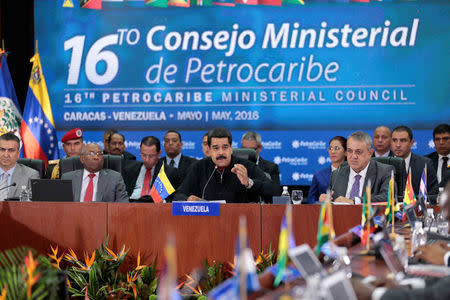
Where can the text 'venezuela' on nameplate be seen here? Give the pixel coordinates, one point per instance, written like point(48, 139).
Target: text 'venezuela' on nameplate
point(195, 209)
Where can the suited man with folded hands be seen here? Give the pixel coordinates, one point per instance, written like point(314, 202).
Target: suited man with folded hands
point(93, 183)
point(348, 183)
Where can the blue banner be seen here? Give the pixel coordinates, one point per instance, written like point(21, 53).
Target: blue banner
point(321, 66)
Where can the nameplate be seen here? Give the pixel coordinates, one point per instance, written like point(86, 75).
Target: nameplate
point(195, 209)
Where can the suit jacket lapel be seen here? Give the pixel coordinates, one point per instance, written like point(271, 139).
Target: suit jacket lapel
point(341, 182)
point(77, 182)
point(100, 184)
point(16, 174)
point(371, 174)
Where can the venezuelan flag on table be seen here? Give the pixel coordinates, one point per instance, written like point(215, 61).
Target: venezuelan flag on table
point(325, 231)
point(10, 114)
point(38, 128)
point(162, 187)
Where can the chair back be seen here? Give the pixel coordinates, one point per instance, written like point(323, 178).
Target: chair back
point(113, 162)
point(400, 172)
point(37, 164)
point(245, 153)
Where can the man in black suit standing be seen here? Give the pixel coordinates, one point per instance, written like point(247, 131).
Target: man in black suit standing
point(139, 176)
point(348, 182)
point(441, 157)
point(402, 141)
point(382, 137)
point(174, 158)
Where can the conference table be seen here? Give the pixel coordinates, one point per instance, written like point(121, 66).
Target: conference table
point(144, 228)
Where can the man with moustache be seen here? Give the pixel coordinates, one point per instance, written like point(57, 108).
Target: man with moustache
point(223, 176)
point(116, 146)
point(382, 142)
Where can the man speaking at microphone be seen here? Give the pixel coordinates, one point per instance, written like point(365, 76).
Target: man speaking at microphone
point(12, 175)
point(223, 176)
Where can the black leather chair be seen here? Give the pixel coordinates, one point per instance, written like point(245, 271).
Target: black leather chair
point(37, 164)
point(113, 162)
point(245, 153)
point(400, 172)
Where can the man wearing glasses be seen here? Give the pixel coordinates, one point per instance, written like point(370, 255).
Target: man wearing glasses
point(348, 183)
point(93, 183)
point(12, 175)
point(441, 157)
point(139, 176)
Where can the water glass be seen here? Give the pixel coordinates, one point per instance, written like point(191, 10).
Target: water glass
point(443, 228)
point(297, 196)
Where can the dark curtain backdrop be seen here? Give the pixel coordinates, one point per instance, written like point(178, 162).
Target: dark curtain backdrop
point(17, 33)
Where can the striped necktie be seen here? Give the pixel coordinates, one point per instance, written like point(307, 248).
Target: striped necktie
point(3, 186)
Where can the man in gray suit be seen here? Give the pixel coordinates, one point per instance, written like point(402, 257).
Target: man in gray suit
point(94, 183)
point(348, 182)
point(13, 175)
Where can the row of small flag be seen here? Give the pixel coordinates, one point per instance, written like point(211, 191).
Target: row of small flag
point(97, 4)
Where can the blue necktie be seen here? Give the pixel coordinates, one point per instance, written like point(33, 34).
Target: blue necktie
point(354, 192)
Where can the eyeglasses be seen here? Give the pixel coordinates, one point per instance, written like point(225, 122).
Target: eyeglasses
point(8, 150)
point(92, 154)
point(148, 156)
point(336, 148)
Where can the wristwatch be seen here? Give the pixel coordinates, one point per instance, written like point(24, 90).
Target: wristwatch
point(250, 184)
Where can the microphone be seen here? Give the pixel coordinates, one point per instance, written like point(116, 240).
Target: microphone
point(204, 189)
point(5, 187)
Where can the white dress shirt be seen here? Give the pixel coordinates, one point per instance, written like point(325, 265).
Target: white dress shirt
point(351, 180)
point(407, 161)
point(85, 182)
point(176, 160)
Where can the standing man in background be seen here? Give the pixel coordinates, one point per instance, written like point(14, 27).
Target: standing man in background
point(441, 157)
point(174, 158)
point(382, 137)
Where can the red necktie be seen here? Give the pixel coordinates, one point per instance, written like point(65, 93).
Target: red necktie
point(146, 184)
point(90, 189)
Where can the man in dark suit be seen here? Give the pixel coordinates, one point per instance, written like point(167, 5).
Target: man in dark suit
point(94, 184)
point(382, 137)
point(348, 183)
point(140, 176)
point(174, 158)
point(116, 146)
point(441, 157)
point(252, 140)
point(402, 141)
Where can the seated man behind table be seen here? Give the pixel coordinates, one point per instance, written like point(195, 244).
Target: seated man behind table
point(94, 183)
point(12, 172)
point(402, 142)
point(348, 183)
point(72, 145)
point(224, 177)
point(140, 176)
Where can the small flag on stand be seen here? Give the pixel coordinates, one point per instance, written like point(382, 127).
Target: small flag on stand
point(423, 186)
point(392, 206)
point(162, 187)
point(38, 127)
point(409, 198)
point(91, 4)
point(365, 218)
point(325, 230)
point(67, 3)
point(168, 280)
point(286, 242)
point(270, 2)
point(224, 3)
point(295, 2)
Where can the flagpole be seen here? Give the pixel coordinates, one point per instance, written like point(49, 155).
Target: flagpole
point(393, 200)
point(242, 246)
point(289, 232)
point(368, 217)
point(330, 221)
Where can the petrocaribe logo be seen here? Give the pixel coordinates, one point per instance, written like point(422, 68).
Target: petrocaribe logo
point(36, 74)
